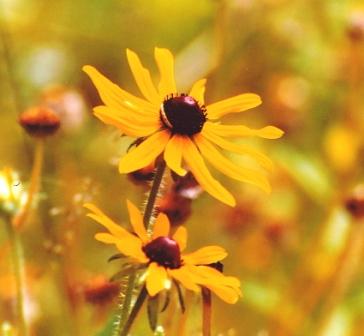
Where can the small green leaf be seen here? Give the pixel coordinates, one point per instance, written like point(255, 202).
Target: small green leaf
point(153, 309)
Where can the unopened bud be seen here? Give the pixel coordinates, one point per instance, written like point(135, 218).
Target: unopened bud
point(39, 121)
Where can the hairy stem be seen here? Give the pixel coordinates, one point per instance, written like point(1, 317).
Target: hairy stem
point(148, 213)
point(134, 312)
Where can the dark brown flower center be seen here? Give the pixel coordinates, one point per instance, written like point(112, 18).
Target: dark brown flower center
point(183, 115)
point(164, 251)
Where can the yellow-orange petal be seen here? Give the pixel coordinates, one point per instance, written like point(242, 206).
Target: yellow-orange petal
point(105, 221)
point(228, 168)
point(198, 91)
point(145, 153)
point(129, 127)
point(156, 278)
point(183, 276)
point(173, 155)
point(215, 276)
point(268, 132)
point(130, 245)
point(113, 96)
point(242, 149)
point(142, 78)
point(205, 255)
point(234, 104)
point(225, 293)
point(165, 63)
point(161, 226)
point(136, 221)
point(180, 236)
point(202, 174)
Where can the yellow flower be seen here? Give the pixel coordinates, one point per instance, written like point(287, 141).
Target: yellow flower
point(180, 125)
point(162, 258)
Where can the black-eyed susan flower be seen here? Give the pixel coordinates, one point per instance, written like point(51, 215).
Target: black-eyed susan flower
point(180, 125)
point(161, 255)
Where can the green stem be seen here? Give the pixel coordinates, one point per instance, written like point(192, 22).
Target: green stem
point(126, 302)
point(206, 312)
point(18, 269)
point(134, 312)
point(148, 213)
point(19, 219)
point(149, 208)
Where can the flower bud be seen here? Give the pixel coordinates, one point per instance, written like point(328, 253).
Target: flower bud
point(355, 203)
point(39, 121)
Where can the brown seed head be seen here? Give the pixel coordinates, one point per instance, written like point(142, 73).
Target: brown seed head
point(39, 121)
point(355, 28)
point(355, 202)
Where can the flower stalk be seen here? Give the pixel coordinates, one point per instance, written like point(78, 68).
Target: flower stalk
point(125, 324)
point(206, 311)
point(21, 217)
point(18, 269)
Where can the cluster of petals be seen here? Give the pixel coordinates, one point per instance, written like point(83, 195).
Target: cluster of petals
point(145, 118)
point(192, 271)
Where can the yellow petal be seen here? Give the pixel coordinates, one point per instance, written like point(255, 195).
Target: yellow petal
point(165, 62)
point(198, 91)
point(228, 168)
point(182, 275)
point(268, 132)
point(131, 128)
point(113, 96)
point(136, 221)
point(145, 153)
point(235, 104)
point(203, 176)
point(156, 278)
point(225, 293)
point(106, 238)
point(215, 276)
point(242, 149)
point(173, 155)
point(142, 78)
point(205, 255)
point(180, 236)
point(105, 221)
point(161, 226)
point(130, 246)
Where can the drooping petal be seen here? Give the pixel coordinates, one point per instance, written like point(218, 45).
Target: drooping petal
point(198, 91)
point(142, 78)
point(161, 226)
point(182, 275)
point(226, 287)
point(173, 155)
point(242, 149)
point(205, 255)
point(145, 153)
point(113, 96)
point(156, 278)
point(130, 246)
point(180, 236)
point(131, 128)
point(268, 132)
point(234, 104)
point(225, 293)
point(228, 168)
point(165, 62)
point(202, 175)
point(136, 221)
point(105, 221)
